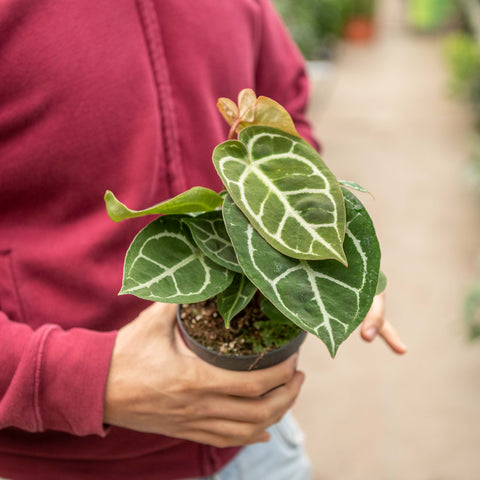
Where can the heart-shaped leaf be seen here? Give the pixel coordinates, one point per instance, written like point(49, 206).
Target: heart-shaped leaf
point(209, 233)
point(164, 264)
point(197, 199)
point(322, 297)
point(286, 191)
point(235, 297)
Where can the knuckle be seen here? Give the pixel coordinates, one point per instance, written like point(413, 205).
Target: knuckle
point(193, 410)
point(287, 375)
point(181, 386)
point(184, 381)
point(191, 379)
point(254, 388)
point(204, 410)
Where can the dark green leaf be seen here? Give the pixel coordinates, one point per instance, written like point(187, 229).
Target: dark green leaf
point(322, 297)
point(235, 297)
point(286, 191)
point(209, 233)
point(164, 264)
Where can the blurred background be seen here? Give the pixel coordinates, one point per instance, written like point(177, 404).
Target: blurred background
point(396, 105)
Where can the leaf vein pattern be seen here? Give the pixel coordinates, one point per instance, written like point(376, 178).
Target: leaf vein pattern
point(359, 248)
point(211, 236)
point(252, 250)
point(272, 189)
point(273, 282)
point(326, 322)
point(238, 296)
point(170, 272)
point(289, 213)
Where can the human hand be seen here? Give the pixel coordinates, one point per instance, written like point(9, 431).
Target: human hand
point(157, 385)
point(376, 324)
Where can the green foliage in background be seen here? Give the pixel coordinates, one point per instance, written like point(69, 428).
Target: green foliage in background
point(427, 15)
point(360, 8)
point(462, 52)
point(472, 311)
point(472, 299)
point(463, 56)
point(315, 25)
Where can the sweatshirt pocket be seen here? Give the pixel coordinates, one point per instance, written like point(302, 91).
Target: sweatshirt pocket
point(9, 298)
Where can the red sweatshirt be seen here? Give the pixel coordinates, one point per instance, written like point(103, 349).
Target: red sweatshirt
point(96, 95)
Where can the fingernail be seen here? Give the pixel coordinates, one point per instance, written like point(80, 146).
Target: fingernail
point(370, 333)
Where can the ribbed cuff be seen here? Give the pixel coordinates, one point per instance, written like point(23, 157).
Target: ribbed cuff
point(72, 370)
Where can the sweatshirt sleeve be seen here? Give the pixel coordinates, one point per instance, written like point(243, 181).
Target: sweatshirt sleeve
point(281, 72)
point(52, 379)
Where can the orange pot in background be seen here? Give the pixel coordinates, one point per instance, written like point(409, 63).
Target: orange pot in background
point(359, 29)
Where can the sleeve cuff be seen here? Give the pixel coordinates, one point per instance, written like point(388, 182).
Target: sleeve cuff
point(72, 372)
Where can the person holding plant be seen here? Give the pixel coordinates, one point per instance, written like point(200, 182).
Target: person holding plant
point(108, 94)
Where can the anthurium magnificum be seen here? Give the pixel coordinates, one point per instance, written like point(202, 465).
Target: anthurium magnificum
point(285, 227)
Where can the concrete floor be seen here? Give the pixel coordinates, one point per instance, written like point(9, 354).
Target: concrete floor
point(387, 122)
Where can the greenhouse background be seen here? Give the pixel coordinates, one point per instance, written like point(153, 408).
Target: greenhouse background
point(396, 105)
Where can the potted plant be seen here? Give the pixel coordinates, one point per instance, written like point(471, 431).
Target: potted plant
point(360, 24)
point(286, 243)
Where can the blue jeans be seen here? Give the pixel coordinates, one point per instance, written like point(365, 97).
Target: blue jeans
point(281, 458)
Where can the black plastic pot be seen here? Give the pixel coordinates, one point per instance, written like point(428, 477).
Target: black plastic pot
point(241, 362)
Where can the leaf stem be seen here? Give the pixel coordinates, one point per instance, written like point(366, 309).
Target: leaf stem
point(233, 128)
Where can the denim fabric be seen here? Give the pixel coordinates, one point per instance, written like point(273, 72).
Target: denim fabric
point(282, 458)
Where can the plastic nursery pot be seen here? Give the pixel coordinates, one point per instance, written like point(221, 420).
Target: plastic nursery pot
point(359, 30)
point(240, 362)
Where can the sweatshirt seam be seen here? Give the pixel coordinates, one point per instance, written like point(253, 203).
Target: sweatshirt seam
point(16, 287)
point(161, 78)
point(37, 378)
point(12, 286)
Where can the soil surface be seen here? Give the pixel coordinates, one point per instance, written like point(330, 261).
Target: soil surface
point(250, 331)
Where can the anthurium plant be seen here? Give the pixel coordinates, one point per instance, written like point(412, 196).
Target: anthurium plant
point(284, 226)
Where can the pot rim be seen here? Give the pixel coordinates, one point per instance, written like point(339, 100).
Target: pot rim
point(241, 362)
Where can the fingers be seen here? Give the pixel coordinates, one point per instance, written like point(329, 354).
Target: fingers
point(250, 384)
point(245, 384)
point(376, 324)
point(242, 421)
point(264, 410)
point(391, 337)
point(155, 384)
point(374, 320)
point(224, 438)
point(387, 332)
